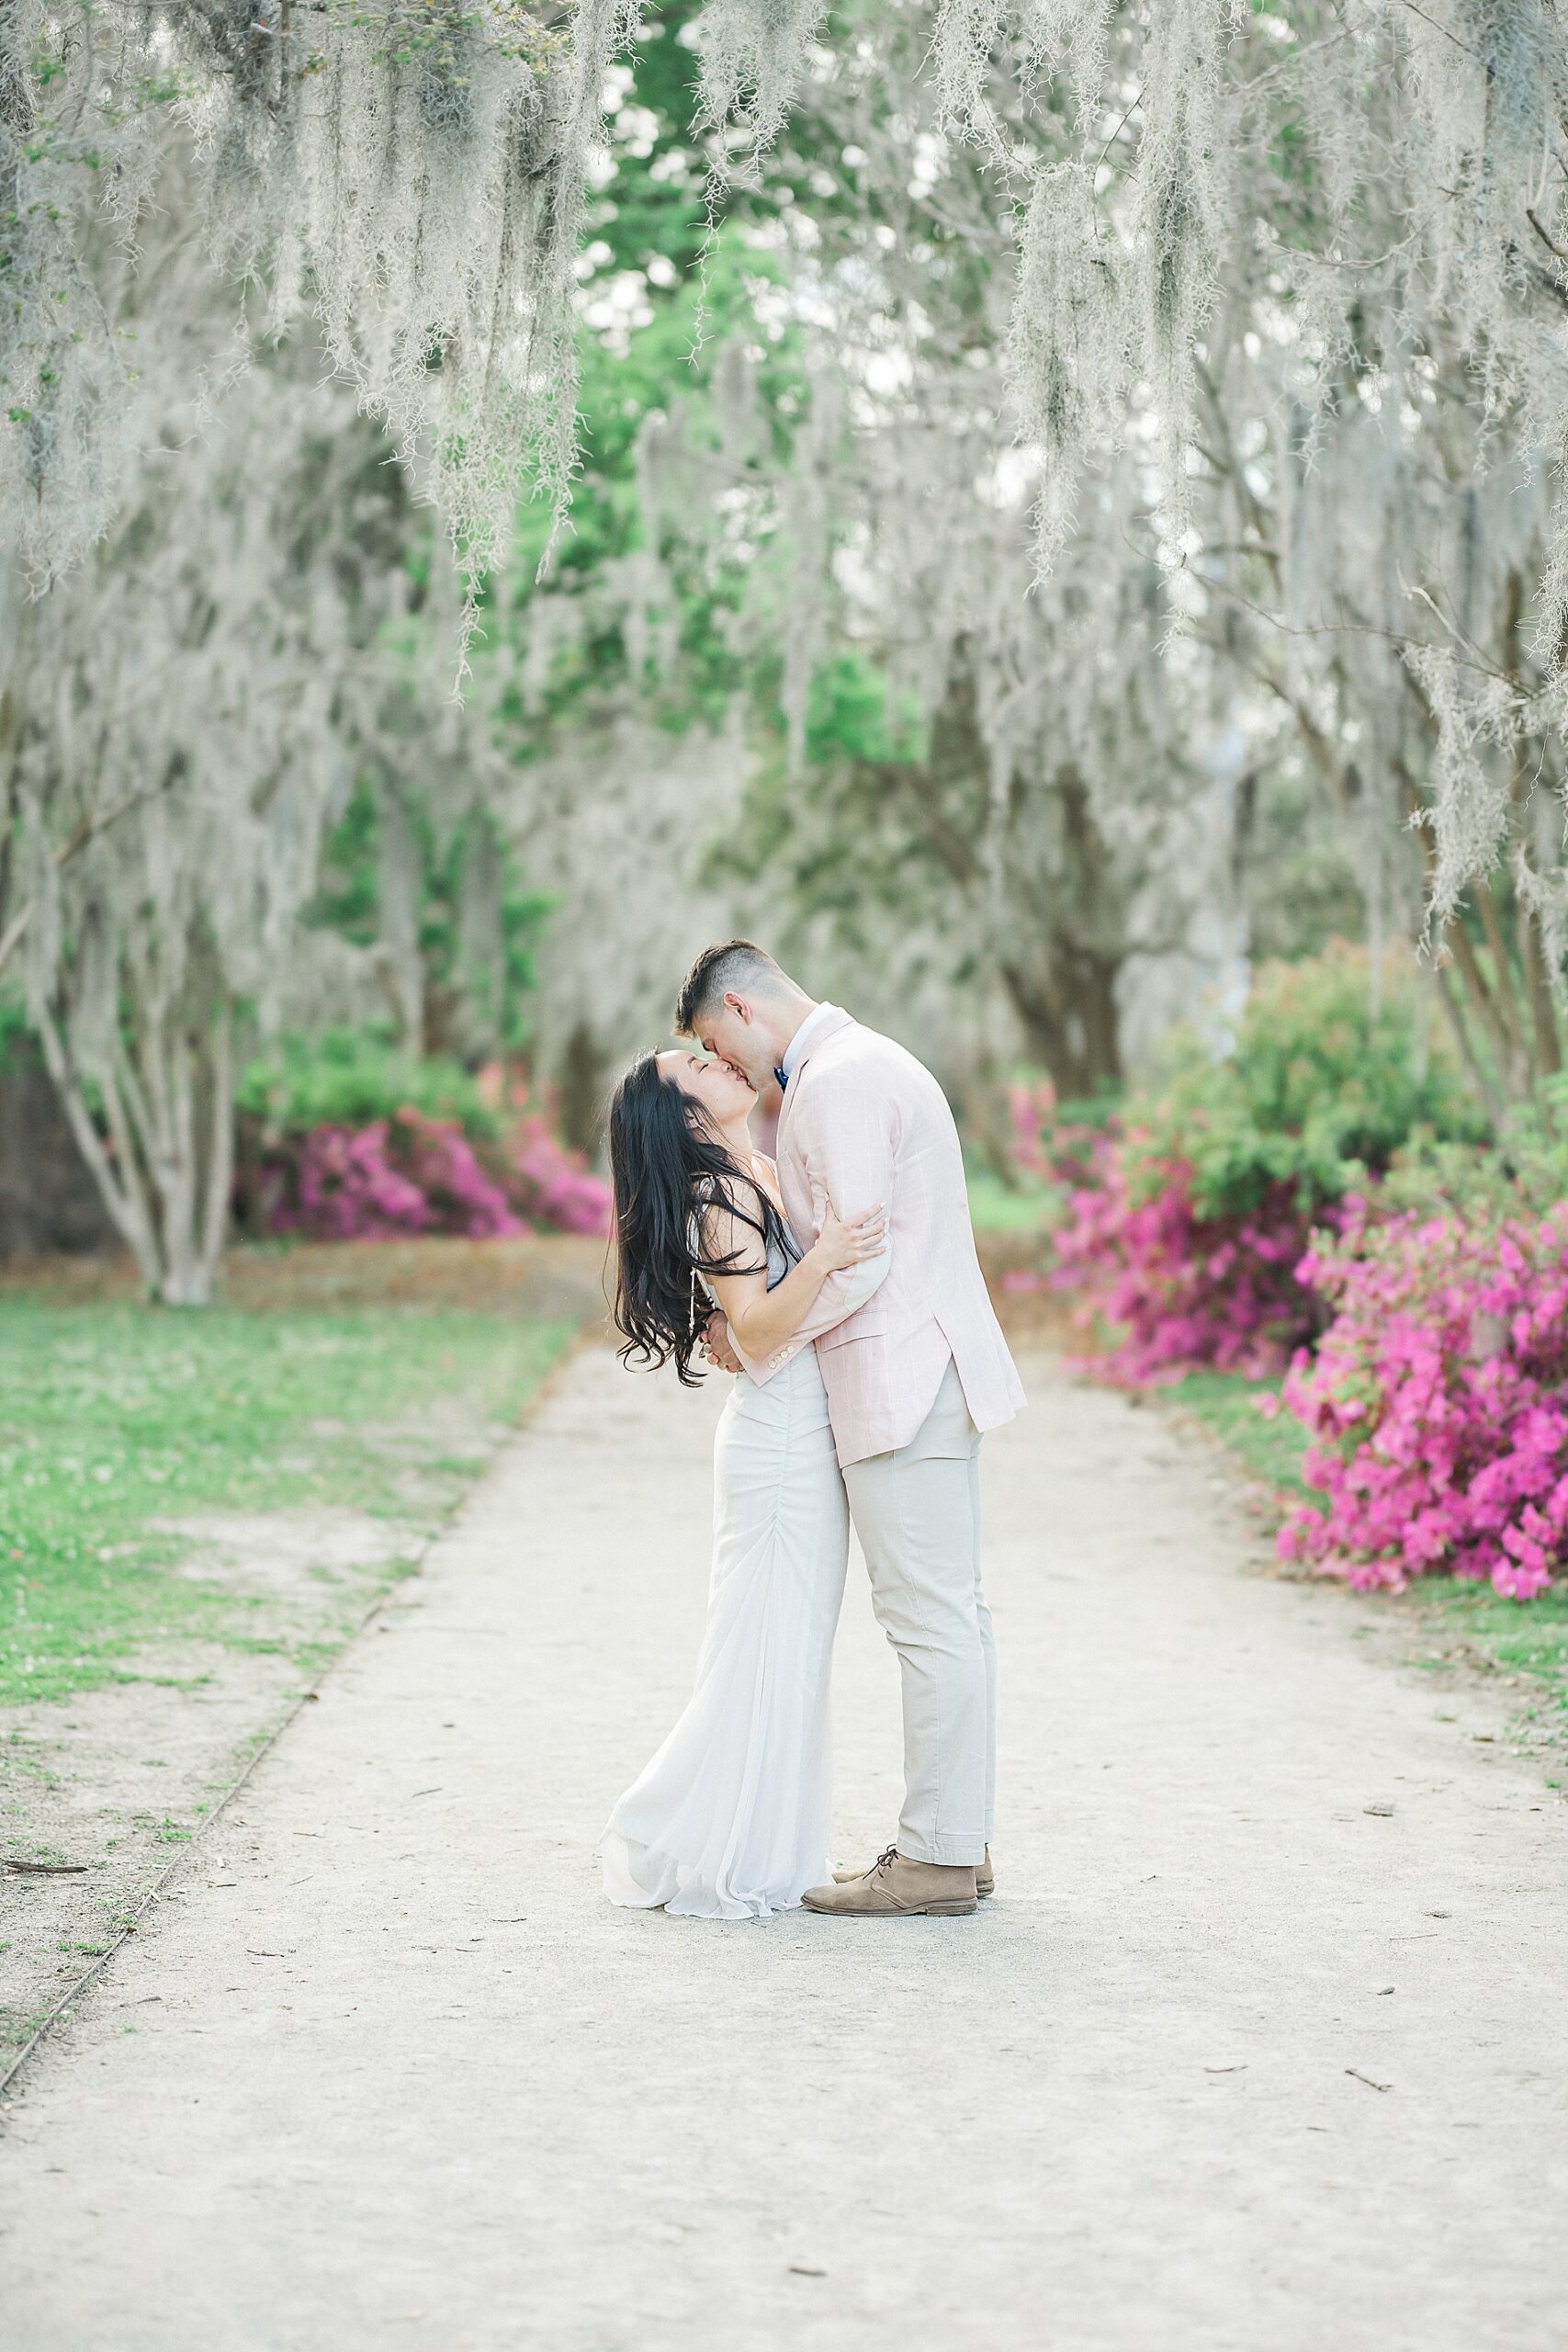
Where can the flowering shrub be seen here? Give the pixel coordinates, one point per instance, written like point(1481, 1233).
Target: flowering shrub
point(1184, 1289)
point(344, 1188)
point(1436, 1403)
point(328, 1149)
point(1031, 1107)
point(1324, 1084)
point(1186, 1227)
point(1049, 1145)
point(411, 1174)
point(555, 1186)
point(405, 1175)
point(1329, 1178)
point(461, 1197)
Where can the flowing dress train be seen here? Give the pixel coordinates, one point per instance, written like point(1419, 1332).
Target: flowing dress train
point(730, 1818)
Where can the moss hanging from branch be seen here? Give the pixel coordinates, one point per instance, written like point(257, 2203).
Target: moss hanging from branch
point(413, 176)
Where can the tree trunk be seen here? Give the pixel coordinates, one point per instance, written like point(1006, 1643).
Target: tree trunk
point(1074, 920)
point(398, 880)
point(1058, 897)
point(1067, 1005)
point(580, 1086)
point(164, 1168)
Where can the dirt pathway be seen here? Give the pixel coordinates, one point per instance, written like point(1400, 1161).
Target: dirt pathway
point(388, 2072)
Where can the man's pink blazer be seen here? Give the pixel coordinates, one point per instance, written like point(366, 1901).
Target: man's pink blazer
point(864, 1121)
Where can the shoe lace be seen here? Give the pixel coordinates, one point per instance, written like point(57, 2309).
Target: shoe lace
point(885, 1861)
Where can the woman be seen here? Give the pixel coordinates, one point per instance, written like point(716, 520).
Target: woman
point(729, 1821)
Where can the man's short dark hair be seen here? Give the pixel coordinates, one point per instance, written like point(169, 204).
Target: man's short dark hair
point(738, 964)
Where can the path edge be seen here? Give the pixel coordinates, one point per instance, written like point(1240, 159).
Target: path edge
point(83, 1983)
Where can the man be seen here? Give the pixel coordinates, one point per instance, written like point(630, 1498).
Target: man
point(913, 1374)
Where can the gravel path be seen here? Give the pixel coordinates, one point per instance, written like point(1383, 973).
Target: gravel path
point(388, 2072)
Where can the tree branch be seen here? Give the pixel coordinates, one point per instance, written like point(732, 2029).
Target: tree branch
point(88, 830)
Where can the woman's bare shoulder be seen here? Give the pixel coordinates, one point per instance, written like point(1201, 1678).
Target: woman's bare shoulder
point(735, 1195)
point(730, 1225)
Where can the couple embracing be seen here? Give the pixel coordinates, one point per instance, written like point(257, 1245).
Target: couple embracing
point(842, 1288)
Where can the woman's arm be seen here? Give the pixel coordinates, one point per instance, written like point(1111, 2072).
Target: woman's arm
point(764, 1320)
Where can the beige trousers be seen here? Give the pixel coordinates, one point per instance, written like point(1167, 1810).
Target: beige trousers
point(916, 1513)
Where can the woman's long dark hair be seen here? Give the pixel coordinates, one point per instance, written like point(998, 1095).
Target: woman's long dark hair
point(668, 1167)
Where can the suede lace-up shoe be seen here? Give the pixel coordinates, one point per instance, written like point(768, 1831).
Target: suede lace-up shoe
point(895, 1888)
point(984, 1876)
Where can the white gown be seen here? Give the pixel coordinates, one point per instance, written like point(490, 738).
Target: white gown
point(730, 1818)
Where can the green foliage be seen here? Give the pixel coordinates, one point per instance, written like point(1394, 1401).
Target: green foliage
point(652, 213)
point(347, 902)
point(1294, 865)
point(1268, 1444)
point(522, 913)
point(1524, 1640)
point(654, 326)
point(17, 1045)
point(1524, 1172)
point(345, 899)
point(115, 1423)
point(852, 715)
point(1321, 1090)
point(351, 1078)
point(1000, 1205)
point(858, 741)
point(664, 364)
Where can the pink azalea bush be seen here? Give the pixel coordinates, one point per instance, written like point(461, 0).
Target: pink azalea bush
point(1180, 1287)
point(1047, 1145)
point(347, 1137)
point(344, 1188)
point(411, 1173)
point(397, 1176)
point(1184, 1229)
point(1324, 1182)
point(1183, 1290)
point(1438, 1403)
point(1032, 1117)
point(461, 1196)
point(555, 1186)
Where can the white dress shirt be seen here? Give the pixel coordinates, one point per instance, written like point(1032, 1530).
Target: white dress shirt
point(803, 1037)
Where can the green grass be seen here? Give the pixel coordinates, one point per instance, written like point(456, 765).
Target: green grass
point(114, 1416)
point(1524, 1638)
point(1528, 1639)
point(998, 1207)
point(1227, 1403)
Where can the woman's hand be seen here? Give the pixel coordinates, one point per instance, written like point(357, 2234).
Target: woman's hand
point(849, 1240)
point(715, 1345)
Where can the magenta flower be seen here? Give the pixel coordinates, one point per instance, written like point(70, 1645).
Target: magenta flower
point(416, 1174)
point(1185, 1291)
point(1435, 1403)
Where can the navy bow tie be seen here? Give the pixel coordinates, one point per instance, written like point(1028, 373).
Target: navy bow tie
point(783, 1080)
